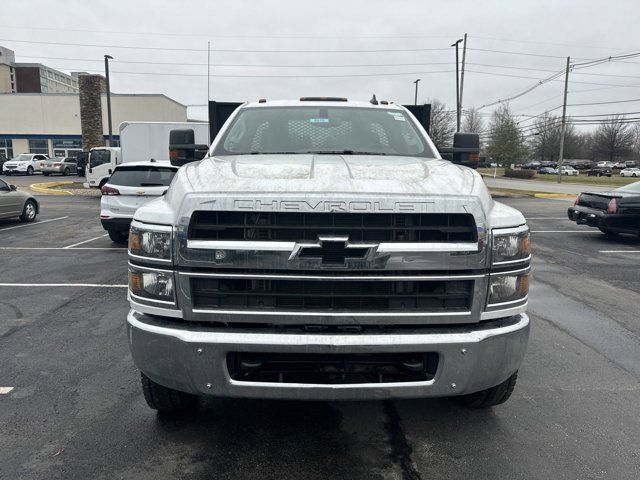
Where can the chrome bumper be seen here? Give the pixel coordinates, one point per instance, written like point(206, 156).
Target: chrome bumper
point(193, 359)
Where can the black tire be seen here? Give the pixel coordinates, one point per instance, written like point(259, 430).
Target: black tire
point(29, 212)
point(608, 232)
point(165, 399)
point(118, 236)
point(491, 396)
point(29, 170)
point(45, 174)
point(66, 172)
point(8, 174)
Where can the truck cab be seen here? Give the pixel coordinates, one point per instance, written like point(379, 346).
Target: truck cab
point(101, 164)
point(324, 250)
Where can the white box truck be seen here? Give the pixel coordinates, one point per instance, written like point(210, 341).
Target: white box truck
point(139, 141)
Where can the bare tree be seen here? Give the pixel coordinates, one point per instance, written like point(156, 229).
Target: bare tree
point(442, 124)
point(506, 143)
point(613, 139)
point(472, 121)
point(545, 139)
point(636, 141)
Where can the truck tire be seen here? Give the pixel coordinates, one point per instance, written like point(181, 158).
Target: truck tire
point(117, 236)
point(491, 396)
point(165, 399)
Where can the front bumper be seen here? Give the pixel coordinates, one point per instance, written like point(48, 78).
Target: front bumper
point(193, 358)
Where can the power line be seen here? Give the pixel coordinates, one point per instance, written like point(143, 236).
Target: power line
point(526, 54)
point(226, 50)
point(603, 103)
point(546, 43)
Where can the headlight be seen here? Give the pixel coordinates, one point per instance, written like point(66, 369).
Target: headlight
point(156, 285)
point(508, 288)
point(150, 241)
point(511, 245)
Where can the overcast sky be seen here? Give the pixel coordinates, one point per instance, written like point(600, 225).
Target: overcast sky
point(547, 30)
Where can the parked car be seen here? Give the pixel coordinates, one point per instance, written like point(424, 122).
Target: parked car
point(81, 163)
point(568, 170)
point(15, 203)
point(605, 164)
point(27, 163)
point(620, 165)
point(130, 186)
point(614, 212)
point(2, 162)
point(531, 166)
point(630, 172)
point(600, 172)
point(546, 170)
point(64, 166)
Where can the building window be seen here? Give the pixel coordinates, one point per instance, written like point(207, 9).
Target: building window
point(6, 148)
point(39, 146)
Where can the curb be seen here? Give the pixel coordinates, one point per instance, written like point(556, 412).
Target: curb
point(46, 188)
point(555, 195)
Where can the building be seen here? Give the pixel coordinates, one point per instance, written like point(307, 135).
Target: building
point(50, 122)
point(32, 77)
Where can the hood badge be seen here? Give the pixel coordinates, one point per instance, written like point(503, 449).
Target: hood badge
point(333, 251)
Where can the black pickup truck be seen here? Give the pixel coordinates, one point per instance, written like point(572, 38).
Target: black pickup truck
point(613, 212)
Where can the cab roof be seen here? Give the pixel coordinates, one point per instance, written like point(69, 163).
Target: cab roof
point(321, 103)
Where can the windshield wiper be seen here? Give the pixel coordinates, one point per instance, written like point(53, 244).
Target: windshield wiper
point(152, 185)
point(343, 152)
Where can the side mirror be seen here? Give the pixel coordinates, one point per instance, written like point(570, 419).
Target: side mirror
point(183, 149)
point(13, 188)
point(465, 150)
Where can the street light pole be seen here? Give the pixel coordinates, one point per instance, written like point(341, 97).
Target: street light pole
point(415, 101)
point(456, 44)
point(106, 74)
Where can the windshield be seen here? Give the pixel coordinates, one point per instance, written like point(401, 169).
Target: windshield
point(632, 187)
point(330, 129)
point(99, 157)
point(142, 176)
point(23, 157)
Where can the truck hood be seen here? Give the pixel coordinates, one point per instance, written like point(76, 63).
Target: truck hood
point(344, 174)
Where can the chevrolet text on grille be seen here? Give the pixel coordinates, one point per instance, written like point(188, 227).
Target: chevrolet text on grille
point(326, 206)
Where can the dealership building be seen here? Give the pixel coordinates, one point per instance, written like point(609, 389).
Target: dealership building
point(40, 109)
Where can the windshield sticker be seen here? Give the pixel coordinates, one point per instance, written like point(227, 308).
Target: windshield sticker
point(397, 116)
point(319, 120)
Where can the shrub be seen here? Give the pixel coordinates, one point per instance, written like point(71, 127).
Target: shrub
point(527, 174)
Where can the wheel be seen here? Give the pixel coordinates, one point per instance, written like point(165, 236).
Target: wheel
point(66, 172)
point(165, 399)
point(634, 175)
point(29, 212)
point(117, 236)
point(608, 232)
point(30, 171)
point(8, 174)
point(45, 174)
point(598, 174)
point(491, 396)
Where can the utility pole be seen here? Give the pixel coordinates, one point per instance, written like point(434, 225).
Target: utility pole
point(457, 85)
point(415, 101)
point(564, 120)
point(464, 56)
point(106, 74)
point(208, 82)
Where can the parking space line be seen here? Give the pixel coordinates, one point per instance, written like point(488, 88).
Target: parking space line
point(50, 285)
point(546, 218)
point(65, 248)
point(5, 390)
point(619, 251)
point(34, 223)
point(566, 231)
point(86, 241)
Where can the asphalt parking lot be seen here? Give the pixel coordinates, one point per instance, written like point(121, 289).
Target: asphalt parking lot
point(75, 408)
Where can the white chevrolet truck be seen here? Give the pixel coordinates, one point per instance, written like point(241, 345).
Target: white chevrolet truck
point(323, 250)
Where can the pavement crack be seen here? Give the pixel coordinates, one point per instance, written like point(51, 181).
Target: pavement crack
point(400, 449)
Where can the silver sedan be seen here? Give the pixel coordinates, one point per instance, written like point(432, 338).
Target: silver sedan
point(14, 203)
point(65, 166)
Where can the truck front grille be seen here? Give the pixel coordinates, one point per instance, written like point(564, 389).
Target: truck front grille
point(332, 295)
point(299, 227)
point(309, 368)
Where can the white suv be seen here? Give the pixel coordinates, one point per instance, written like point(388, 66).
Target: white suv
point(27, 163)
point(130, 186)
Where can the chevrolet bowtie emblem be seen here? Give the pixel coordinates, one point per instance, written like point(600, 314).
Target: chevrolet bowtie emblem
point(333, 251)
